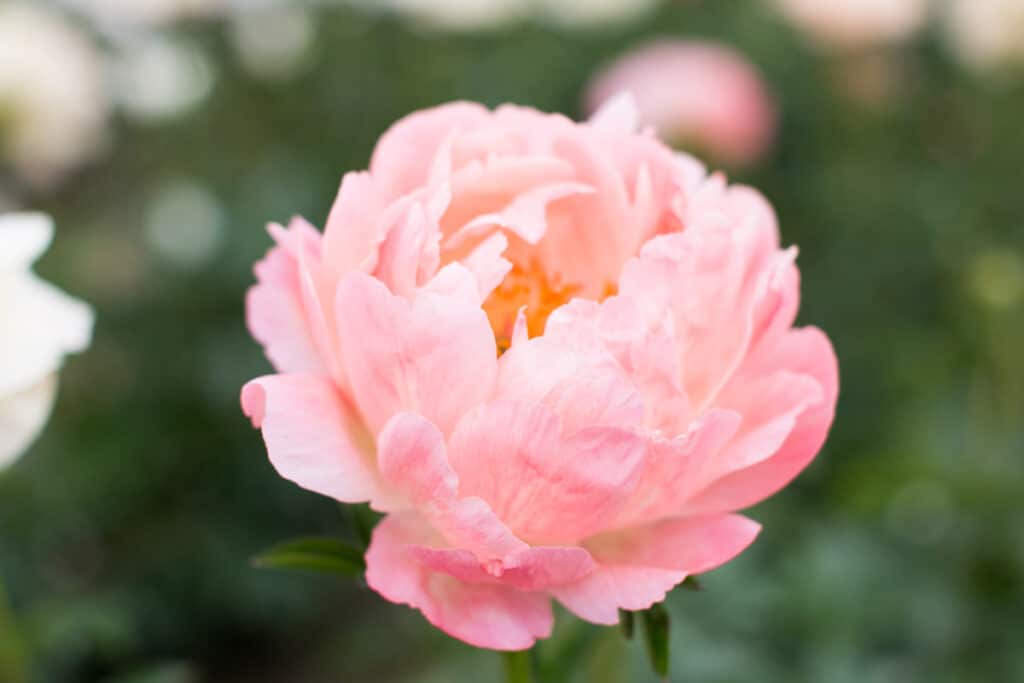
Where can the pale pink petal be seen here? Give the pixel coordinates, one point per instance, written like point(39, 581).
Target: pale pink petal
point(354, 228)
point(413, 461)
point(617, 113)
point(405, 153)
point(806, 351)
point(639, 565)
point(525, 216)
point(312, 437)
point(584, 386)
point(275, 309)
point(486, 615)
point(547, 488)
point(488, 265)
point(530, 569)
point(410, 253)
point(435, 355)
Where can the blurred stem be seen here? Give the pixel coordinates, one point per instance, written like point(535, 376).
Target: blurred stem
point(518, 667)
point(12, 652)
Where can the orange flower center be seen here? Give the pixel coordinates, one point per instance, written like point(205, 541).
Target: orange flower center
point(527, 286)
point(532, 287)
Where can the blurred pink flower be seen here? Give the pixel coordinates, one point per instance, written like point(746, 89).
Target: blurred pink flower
point(694, 92)
point(558, 355)
point(856, 24)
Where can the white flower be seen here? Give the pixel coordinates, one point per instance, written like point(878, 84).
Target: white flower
point(987, 34)
point(457, 15)
point(149, 12)
point(856, 24)
point(39, 325)
point(53, 104)
point(591, 13)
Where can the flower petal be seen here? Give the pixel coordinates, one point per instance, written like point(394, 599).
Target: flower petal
point(312, 436)
point(804, 351)
point(275, 308)
point(435, 355)
point(486, 615)
point(638, 566)
point(547, 488)
point(23, 415)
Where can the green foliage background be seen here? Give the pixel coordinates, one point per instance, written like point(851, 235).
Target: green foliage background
point(125, 535)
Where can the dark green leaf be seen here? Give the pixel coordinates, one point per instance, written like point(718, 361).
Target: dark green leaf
point(626, 622)
point(314, 554)
point(693, 584)
point(364, 520)
point(656, 631)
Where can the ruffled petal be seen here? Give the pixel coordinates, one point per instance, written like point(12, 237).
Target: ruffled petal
point(806, 352)
point(638, 566)
point(275, 307)
point(487, 615)
point(312, 436)
point(547, 488)
point(435, 355)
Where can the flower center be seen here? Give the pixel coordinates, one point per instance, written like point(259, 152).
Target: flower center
point(527, 286)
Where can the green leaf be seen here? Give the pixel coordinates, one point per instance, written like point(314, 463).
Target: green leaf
point(693, 584)
point(314, 554)
point(626, 622)
point(364, 519)
point(656, 631)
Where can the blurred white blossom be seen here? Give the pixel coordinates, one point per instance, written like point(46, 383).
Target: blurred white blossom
point(39, 325)
point(856, 24)
point(457, 15)
point(273, 44)
point(987, 34)
point(112, 13)
point(590, 13)
point(53, 101)
point(185, 224)
point(156, 77)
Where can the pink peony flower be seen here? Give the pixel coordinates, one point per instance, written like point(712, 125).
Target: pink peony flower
point(694, 92)
point(559, 356)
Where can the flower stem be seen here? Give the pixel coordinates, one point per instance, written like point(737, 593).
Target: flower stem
point(518, 667)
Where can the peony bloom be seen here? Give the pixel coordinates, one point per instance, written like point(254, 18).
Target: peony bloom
point(558, 355)
point(39, 325)
point(694, 92)
point(987, 34)
point(856, 24)
point(53, 103)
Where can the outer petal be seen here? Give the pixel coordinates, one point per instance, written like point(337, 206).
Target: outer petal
point(405, 153)
point(531, 569)
point(22, 416)
point(312, 436)
point(41, 324)
point(546, 488)
point(412, 459)
point(486, 615)
point(435, 355)
point(806, 351)
point(25, 237)
point(638, 566)
point(275, 310)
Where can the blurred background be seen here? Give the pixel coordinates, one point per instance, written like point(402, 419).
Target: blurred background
point(163, 135)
